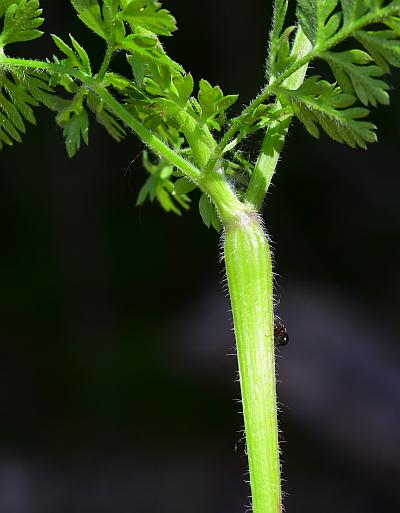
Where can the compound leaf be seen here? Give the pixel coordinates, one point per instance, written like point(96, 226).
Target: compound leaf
point(105, 118)
point(317, 20)
point(213, 104)
point(355, 74)
point(383, 46)
point(76, 57)
point(89, 13)
point(19, 93)
point(149, 15)
point(316, 102)
point(74, 120)
point(22, 18)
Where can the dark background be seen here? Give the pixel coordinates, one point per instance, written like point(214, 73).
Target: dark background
point(117, 394)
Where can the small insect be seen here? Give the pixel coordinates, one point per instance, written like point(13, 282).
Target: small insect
point(281, 337)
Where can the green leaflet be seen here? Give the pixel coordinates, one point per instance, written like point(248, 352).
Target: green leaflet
point(278, 45)
point(353, 10)
point(383, 46)
point(393, 23)
point(208, 213)
point(76, 57)
point(22, 18)
point(149, 15)
point(76, 128)
point(278, 21)
point(317, 102)
point(107, 17)
point(90, 12)
point(159, 186)
point(146, 45)
point(184, 186)
point(73, 118)
point(212, 104)
point(105, 117)
point(280, 56)
point(19, 93)
point(355, 74)
point(318, 20)
point(101, 17)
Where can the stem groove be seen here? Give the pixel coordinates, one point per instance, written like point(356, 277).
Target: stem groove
point(250, 280)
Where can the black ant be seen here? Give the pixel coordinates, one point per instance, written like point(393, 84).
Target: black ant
point(281, 337)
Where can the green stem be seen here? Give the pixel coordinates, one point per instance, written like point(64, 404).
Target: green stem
point(156, 144)
point(376, 16)
point(197, 139)
point(106, 63)
point(250, 280)
point(276, 132)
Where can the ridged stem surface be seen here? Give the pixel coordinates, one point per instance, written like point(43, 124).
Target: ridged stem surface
point(249, 272)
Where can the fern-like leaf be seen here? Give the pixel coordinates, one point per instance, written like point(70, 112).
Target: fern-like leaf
point(355, 74)
point(22, 18)
point(90, 13)
point(353, 10)
point(76, 57)
point(149, 15)
point(317, 20)
point(159, 186)
point(105, 118)
point(383, 46)
point(317, 102)
point(19, 93)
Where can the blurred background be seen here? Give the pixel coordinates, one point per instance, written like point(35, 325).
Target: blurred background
point(118, 394)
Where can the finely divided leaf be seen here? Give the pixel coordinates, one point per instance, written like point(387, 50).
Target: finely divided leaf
point(76, 128)
point(213, 104)
point(148, 47)
point(355, 74)
point(160, 187)
point(21, 21)
point(19, 92)
point(89, 13)
point(353, 10)
point(105, 118)
point(318, 20)
point(383, 46)
point(76, 57)
point(149, 15)
point(74, 120)
point(317, 102)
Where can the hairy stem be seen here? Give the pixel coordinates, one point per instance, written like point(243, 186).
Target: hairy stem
point(276, 132)
point(151, 140)
point(158, 146)
point(377, 16)
point(250, 280)
point(200, 142)
point(106, 63)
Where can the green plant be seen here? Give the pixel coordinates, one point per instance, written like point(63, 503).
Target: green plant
point(193, 143)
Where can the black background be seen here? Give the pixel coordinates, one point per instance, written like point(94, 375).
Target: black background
point(117, 394)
